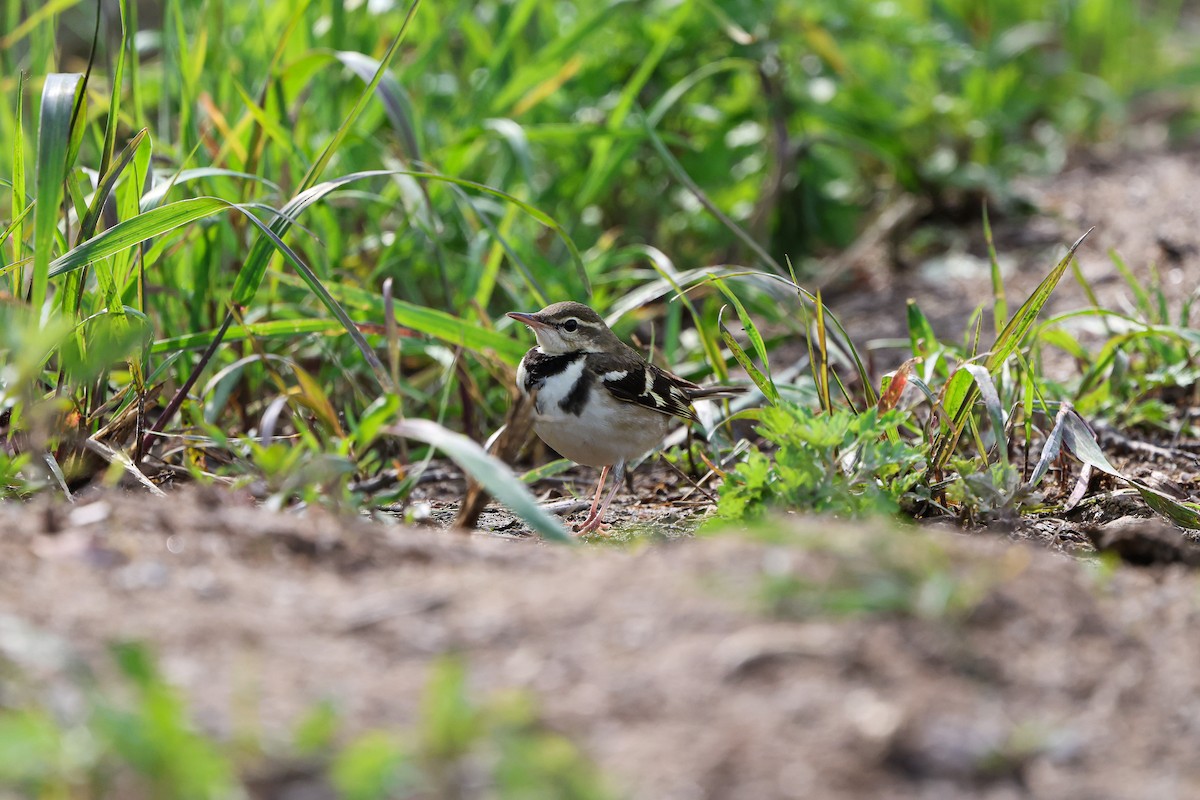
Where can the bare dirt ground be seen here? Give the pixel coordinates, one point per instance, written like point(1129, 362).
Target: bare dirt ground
point(996, 669)
point(845, 661)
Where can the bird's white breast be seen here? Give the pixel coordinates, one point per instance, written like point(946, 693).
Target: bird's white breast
point(556, 388)
point(605, 431)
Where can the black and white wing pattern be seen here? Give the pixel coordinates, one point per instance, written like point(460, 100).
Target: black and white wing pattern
point(632, 380)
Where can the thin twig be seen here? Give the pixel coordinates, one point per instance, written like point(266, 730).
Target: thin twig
point(688, 478)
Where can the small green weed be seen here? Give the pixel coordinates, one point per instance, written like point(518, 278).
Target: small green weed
point(840, 463)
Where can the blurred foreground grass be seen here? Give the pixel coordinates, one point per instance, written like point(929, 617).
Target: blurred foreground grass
point(132, 736)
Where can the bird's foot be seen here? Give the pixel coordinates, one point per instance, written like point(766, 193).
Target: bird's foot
point(591, 527)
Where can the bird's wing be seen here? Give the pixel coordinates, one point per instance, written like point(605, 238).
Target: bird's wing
point(631, 380)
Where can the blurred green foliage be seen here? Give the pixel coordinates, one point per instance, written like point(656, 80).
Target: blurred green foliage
point(134, 738)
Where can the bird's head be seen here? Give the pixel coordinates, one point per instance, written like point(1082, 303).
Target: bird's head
point(568, 328)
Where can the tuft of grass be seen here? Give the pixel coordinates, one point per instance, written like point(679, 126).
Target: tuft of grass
point(949, 448)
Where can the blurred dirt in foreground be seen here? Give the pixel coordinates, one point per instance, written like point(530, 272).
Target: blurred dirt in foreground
point(837, 661)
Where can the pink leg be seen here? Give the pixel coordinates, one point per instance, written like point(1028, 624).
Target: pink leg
point(596, 500)
point(593, 523)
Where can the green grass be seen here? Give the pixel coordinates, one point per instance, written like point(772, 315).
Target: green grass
point(244, 242)
point(951, 446)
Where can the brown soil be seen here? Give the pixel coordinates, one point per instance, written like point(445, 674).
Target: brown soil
point(981, 667)
point(1035, 675)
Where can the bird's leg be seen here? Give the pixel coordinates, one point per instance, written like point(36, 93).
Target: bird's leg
point(596, 500)
point(594, 523)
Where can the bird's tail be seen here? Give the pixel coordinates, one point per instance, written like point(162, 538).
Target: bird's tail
point(715, 391)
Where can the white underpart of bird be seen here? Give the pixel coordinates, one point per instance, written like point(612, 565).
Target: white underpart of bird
point(596, 401)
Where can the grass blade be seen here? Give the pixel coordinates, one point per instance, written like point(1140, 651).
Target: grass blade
point(1014, 332)
point(960, 393)
point(59, 96)
point(604, 163)
point(331, 147)
point(1080, 441)
point(287, 328)
point(1050, 449)
point(431, 322)
point(764, 383)
point(999, 302)
point(492, 473)
point(19, 209)
point(169, 217)
point(130, 232)
point(87, 226)
point(991, 403)
point(252, 274)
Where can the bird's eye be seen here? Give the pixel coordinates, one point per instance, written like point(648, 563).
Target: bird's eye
point(571, 325)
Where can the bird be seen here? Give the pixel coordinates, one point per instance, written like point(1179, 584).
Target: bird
point(596, 400)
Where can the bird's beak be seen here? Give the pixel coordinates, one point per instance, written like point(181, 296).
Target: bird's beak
point(531, 320)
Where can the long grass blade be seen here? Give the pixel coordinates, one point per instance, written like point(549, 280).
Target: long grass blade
point(87, 226)
point(59, 96)
point(19, 207)
point(432, 322)
point(492, 473)
point(251, 275)
point(39, 15)
point(763, 382)
point(331, 147)
point(999, 302)
point(604, 163)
